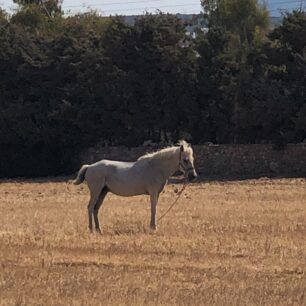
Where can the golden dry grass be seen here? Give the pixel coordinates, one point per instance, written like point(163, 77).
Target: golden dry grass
point(225, 243)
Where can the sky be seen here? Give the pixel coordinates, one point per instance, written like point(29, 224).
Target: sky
point(136, 7)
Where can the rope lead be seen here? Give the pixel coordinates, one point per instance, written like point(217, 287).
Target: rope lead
point(179, 195)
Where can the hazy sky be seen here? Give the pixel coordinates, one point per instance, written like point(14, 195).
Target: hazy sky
point(133, 7)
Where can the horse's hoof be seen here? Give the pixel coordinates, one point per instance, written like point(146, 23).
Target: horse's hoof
point(98, 231)
point(153, 227)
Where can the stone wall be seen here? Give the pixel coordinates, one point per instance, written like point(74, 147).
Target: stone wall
point(224, 161)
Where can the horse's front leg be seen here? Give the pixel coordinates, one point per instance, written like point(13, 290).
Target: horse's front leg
point(154, 199)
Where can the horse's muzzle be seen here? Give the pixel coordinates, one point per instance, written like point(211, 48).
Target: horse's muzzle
point(192, 177)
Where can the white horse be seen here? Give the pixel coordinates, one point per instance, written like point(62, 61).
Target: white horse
point(148, 175)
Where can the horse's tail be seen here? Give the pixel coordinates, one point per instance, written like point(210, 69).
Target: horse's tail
point(81, 175)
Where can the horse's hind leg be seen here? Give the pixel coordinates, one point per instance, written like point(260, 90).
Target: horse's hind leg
point(97, 207)
point(90, 208)
point(95, 191)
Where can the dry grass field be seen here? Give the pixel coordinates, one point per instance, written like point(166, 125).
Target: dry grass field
point(225, 243)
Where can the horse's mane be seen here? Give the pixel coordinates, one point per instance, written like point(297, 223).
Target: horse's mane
point(166, 152)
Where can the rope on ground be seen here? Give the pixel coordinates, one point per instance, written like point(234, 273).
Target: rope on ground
point(171, 206)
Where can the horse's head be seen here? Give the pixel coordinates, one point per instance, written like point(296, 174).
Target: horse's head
point(187, 161)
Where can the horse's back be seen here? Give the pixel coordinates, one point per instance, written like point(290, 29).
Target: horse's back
point(106, 167)
point(112, 165)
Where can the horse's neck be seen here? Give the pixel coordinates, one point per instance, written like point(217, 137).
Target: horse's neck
point(170, 164)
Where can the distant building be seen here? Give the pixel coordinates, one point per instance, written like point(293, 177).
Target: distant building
point(193, 22)
point(196, 22)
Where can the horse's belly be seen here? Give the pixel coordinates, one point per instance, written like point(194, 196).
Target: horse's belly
point(126, 188)
point(127, 192)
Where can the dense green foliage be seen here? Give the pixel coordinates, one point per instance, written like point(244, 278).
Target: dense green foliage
point(69, 82)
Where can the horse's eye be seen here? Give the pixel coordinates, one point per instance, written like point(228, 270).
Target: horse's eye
point(185, 160)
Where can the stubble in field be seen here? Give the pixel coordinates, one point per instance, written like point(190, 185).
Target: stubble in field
point(225, 243)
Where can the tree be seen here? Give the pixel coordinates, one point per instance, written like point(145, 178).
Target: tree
point(274, 90)
point(50, 6)
point(156, 75)
point(292, 32)
point(235, 28)
point(167, 75)
point(47, 116)
point(217, 75)
point(244, 18)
